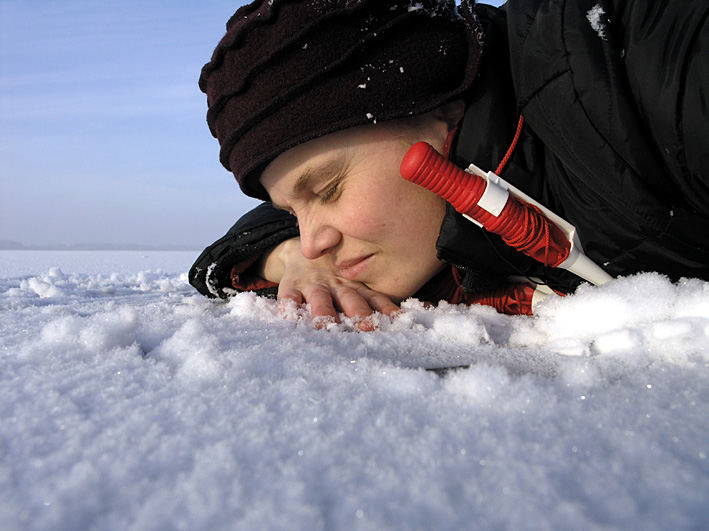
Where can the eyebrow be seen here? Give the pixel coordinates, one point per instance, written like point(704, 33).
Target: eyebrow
point(328, 169)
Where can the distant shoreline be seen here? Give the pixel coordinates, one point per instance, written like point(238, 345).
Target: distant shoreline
point(15, 246)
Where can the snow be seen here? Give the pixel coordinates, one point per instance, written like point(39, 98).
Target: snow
point(131, 402)
point(595, 18)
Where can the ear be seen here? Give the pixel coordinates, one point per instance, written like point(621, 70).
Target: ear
point(441, 121)
point(451, 113)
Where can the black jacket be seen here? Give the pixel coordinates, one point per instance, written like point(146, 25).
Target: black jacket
point(615, 99)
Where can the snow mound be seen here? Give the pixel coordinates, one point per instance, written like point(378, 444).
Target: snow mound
point(130, 402)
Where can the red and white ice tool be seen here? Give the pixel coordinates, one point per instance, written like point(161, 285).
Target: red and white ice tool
point(494, 204)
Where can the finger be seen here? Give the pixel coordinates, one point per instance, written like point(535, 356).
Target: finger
point(322, 307)
point(351, 302)
point(380, 302)
point(354, 305)
point(289, 294)
point(288, 303)
point(365, 324)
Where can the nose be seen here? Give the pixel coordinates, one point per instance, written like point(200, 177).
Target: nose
point(317, 238)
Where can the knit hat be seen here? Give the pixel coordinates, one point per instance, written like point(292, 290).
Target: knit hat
point(289, 71)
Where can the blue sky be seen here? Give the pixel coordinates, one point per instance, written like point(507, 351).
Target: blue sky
point(103, 136)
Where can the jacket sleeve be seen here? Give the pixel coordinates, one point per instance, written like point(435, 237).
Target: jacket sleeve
point(257, 231)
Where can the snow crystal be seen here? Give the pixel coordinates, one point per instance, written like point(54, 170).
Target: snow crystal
point(209, 280)
point(131, 402)
point(595, 18)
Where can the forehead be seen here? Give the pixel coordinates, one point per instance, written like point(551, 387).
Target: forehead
point(316, 158)
point(327, 150)
point(293, 171)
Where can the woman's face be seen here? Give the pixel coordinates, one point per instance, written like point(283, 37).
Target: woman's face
point(353, 206)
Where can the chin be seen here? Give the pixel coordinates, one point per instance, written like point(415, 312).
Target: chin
point(396, 293)
point(400, 291)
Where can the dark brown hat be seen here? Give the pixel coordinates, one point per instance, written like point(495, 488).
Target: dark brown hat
point(288, 71)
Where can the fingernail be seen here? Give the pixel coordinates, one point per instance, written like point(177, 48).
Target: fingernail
point(323, 321)
point(366, 324)
point(289, 309)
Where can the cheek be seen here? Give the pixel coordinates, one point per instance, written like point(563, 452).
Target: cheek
point(365, 221)
point(367, 212)
point(392, 210)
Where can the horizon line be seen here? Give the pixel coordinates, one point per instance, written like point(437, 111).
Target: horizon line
point(9, 245)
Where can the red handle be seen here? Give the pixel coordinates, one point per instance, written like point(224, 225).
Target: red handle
point(423, 165)
point(521, 225)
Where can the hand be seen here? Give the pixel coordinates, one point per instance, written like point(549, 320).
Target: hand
point(317, 283)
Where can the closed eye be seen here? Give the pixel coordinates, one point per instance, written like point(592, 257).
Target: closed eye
point(333, 191)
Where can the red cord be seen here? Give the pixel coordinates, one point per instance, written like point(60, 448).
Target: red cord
point(520, 225)
point(512, 299)
point(512, 147)
point(535, 229)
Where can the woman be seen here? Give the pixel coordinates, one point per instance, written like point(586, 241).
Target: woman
point(316, 102)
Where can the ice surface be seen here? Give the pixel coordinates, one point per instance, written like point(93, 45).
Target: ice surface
point(131, 402)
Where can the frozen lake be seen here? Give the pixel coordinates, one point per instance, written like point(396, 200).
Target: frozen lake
point(18, 263)
point(131, 402)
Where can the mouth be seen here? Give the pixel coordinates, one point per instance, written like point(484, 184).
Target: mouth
point(351, 269)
